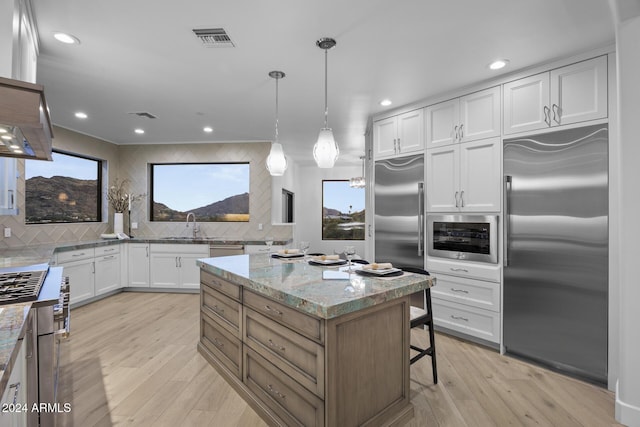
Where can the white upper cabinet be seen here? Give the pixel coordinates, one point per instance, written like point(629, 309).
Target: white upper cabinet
point(468, 118)
point(399, 135)
point(464, 177)
point(566, 95)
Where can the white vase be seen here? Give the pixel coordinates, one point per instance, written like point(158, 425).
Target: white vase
point(118, 222)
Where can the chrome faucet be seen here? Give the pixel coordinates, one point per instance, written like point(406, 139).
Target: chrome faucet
point(195, 224)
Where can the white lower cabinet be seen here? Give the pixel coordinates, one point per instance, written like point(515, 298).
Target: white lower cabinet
point(80, 268)
point(107, 269)
point(14, 398)
point(138, 265)
point(466, 298)
point(174, 265)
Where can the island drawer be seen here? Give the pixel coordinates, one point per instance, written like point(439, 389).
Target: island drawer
point(294, 404)
point(300, 357)
point(472, 321)
point(477, 293)
point(226, 348)
point(222, 309)
point(220, 285)
point(302, 323)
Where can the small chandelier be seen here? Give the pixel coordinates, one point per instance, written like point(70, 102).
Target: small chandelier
point(358, 181)
point(276, 161)
point(325, 151)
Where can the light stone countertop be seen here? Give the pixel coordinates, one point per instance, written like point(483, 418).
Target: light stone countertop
point(315, 290)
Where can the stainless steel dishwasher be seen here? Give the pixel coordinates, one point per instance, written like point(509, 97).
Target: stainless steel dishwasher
point(225, 250)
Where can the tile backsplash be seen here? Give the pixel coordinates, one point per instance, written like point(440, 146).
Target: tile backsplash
point(131, 162)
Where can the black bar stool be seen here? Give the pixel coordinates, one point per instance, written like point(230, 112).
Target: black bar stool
point(421, 317)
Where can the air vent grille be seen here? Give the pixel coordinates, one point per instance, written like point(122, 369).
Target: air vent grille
point(213, 37)
point(144, 114)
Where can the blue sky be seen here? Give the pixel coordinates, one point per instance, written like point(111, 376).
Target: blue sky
point(62, 165)
point(338, 195)
point(185, 187)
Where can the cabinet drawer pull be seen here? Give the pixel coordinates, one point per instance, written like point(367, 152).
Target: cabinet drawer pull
point(459, 269)
point(217, 310)
point(273, 310)
point(218, 343)
point(459, 318)
point(15, 392)
point(276, 346)
point(77, 255)
point(108, 257)
point(459, 290)
point(276, 392)
point(110, 250)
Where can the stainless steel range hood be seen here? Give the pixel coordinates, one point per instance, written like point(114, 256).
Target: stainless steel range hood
point(25, 126)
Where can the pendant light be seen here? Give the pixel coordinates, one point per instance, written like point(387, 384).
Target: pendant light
point(358, 181)
point(276, 161)
point(325, 151)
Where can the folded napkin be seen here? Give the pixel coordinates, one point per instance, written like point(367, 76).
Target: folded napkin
point(325, 257)
point(377, 266)
point(288, 251)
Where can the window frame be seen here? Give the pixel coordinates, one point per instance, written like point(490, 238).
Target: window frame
point(151, 198)
point(322, 217)
point(99, 196)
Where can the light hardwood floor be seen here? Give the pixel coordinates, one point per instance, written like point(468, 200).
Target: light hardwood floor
point(132, 360)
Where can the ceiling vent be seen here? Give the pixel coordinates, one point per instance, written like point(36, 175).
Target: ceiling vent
point(144, 114)
point(213, 37)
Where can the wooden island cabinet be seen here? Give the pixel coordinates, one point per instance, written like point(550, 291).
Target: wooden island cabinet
point(306, 350)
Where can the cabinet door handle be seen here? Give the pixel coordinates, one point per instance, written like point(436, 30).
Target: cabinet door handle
point(276, 346)
point(459, 318)
point(272, 310)
point(399, 146)
point(461, 132)
point(547, 118)
point(11, 201)
point(556, 113)
point(276, 392)
point(395, 146)
point(462, 199)
point(459, 290)
point(93, 267)
point(180, 262)
point(147, 248)
point(455, 133)
point(15, 392)
point(218, 343)
point(456, 197)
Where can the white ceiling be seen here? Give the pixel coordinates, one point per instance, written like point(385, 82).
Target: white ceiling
point(143, 56)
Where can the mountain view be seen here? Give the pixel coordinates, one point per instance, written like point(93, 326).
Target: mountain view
point(61, 199)
point(337, 225)
point(65, 199)
point(231, 209)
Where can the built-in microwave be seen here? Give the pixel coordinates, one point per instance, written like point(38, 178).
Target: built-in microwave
point(463, 237)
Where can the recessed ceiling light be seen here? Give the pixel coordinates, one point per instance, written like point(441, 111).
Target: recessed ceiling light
point(139, 131)
point(14, 147)
point(7, 137)
point(498, 64)
point(385, 102)
point(3, 130)
point(66, 38)
point(17, 151)
point(208, 129)
point(81, 115)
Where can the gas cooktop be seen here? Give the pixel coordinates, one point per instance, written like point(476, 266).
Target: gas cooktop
point(20, 286)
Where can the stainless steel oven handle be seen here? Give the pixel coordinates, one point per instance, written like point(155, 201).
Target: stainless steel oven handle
point(420, 218)
point(508, 179)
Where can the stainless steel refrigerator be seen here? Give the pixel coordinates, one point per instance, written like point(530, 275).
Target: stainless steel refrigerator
point(556, 250)
point(399, 211)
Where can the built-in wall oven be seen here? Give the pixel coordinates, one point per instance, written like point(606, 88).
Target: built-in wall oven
point(463, 237)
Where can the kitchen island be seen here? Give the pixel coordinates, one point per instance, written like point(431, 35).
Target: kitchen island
point(309, 345)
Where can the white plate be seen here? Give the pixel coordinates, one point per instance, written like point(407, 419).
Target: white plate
point(329, 261)
point(381, 271)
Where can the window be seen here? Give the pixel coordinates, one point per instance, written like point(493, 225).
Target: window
point(214, 192)
point(342, 211)
point(64, 190)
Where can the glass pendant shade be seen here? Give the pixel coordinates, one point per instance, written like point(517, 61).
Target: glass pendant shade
point(276, 161)
point(325, 151)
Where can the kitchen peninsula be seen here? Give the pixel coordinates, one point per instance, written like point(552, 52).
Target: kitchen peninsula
point(309, 345)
